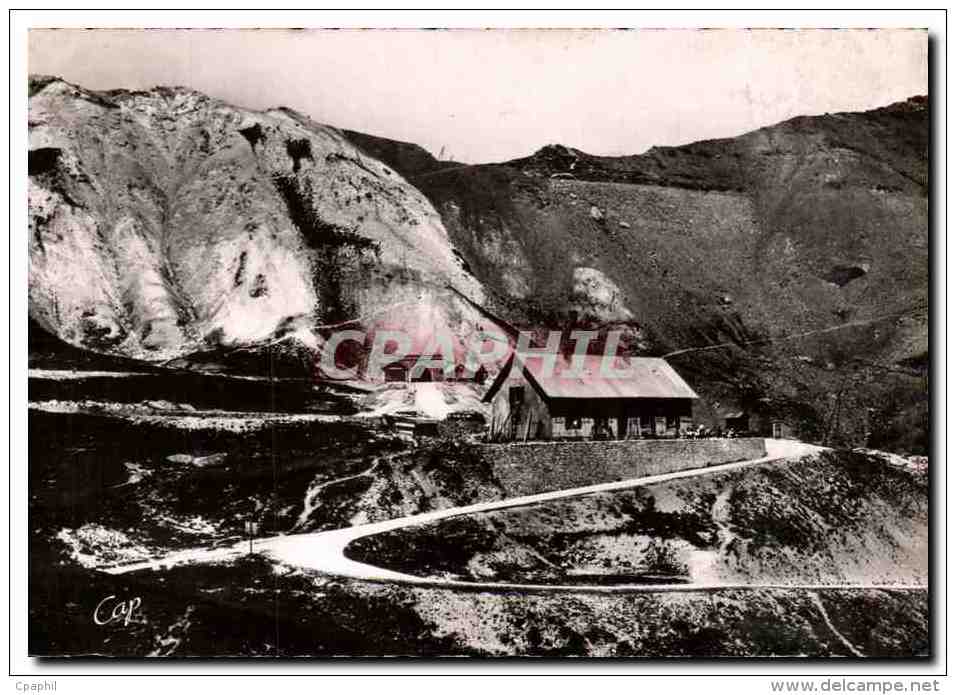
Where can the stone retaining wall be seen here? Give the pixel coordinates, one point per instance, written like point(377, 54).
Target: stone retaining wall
point(532, 467)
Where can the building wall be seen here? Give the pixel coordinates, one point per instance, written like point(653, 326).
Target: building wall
point(532, 467)
point(624, 418)
point(533, 420)
point(782, 430)
point(560, 428)
point(764, 425)
point(533, 417)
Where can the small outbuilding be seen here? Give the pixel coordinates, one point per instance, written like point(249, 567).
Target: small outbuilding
point(781, 429)
point(404, 370)
point(624, 398)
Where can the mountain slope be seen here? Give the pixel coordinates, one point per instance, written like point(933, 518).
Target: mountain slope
point(783, 272)
point(801, 227)
point(164, 223)
point(830, 518)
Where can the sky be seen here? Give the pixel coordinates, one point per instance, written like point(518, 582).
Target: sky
point(492, 95)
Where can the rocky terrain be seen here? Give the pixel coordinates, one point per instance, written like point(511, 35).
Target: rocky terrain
point(801, 247)
point(110, 485)
point(188, 258)
point(862, 518)
point(114, 482)
point(132, 466)
point(173, 228)
point(839, 518)
point(258, 609)
point(166, 223)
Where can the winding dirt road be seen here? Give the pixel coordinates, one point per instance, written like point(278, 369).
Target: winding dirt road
point(324, 551)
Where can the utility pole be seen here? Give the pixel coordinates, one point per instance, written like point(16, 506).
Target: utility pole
point(252, 528)
point(834, 424)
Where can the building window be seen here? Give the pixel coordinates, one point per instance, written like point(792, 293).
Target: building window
point(634, 428)
point(573, 423)
point(602, 429)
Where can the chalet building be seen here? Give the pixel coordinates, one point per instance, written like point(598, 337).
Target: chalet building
point(527, 404)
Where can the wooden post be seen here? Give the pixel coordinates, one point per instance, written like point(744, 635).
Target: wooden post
point(252, 528)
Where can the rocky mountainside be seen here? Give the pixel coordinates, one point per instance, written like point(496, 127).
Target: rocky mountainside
point(800, 248)
point(784, 272)
point(165, 223)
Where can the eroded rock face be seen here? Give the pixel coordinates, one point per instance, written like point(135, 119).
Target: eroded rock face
point(166, 222)
point(596, 294)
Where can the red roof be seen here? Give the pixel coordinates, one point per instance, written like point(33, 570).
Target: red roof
point(645, 377)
